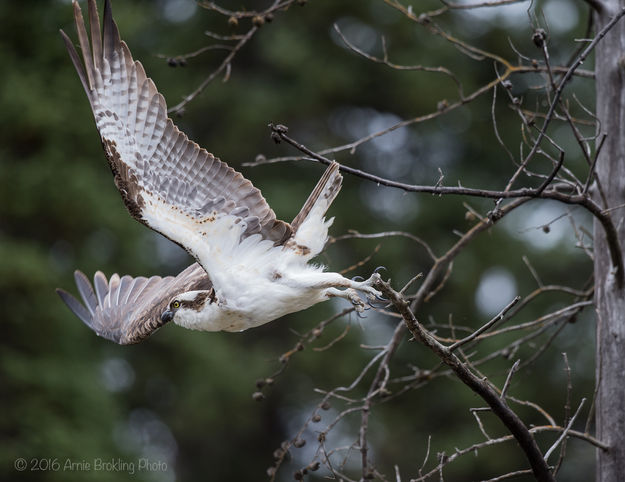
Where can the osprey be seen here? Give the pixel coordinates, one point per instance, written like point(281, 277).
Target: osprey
point(250, 268)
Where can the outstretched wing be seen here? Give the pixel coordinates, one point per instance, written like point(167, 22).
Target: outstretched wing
point(127, 310)
point(166, 181)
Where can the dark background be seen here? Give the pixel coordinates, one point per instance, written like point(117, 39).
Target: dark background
point(185, 398)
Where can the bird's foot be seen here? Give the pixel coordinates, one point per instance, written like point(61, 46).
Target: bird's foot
point(359, 305)
point(351, 295)
point(373, 295)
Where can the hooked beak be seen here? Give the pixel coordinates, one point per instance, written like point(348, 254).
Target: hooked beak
point(167, 315)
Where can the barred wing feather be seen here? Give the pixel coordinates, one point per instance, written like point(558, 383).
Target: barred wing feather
point(166, 180)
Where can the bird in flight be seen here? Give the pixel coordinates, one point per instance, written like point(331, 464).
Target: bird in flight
point(250, 268)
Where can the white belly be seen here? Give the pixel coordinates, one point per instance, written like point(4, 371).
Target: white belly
point(252, 301)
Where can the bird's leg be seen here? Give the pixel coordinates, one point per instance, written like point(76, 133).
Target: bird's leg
point(352, 290)
point(335, 280)
point(336, 285)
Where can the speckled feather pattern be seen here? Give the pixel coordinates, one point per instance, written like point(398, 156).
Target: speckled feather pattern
point(255, 266)
point(131, 116)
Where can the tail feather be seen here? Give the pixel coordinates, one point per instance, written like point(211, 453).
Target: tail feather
point(309, 226)
point(324, 193)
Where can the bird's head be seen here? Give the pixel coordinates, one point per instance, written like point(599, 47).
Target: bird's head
point(186, 309)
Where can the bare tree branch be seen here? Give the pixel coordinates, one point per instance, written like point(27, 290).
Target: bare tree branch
point(498, 406)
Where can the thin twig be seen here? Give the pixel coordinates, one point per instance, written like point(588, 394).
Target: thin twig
point(486, 326)
point(566, 431)
point(506, 385)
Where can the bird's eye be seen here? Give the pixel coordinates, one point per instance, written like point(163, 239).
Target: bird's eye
point(175, 304)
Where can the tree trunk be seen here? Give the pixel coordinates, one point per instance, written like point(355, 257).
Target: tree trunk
point(609, 297)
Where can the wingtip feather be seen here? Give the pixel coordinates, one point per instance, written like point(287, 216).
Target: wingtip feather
point(86, 291)
point(83, 39)
point(73, 54)
point(77, 10)
point(111, 33)
point(101, 286)
point(96, 39)
point(75, 306)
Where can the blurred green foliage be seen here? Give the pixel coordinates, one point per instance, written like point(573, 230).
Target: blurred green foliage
point(184, 397)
